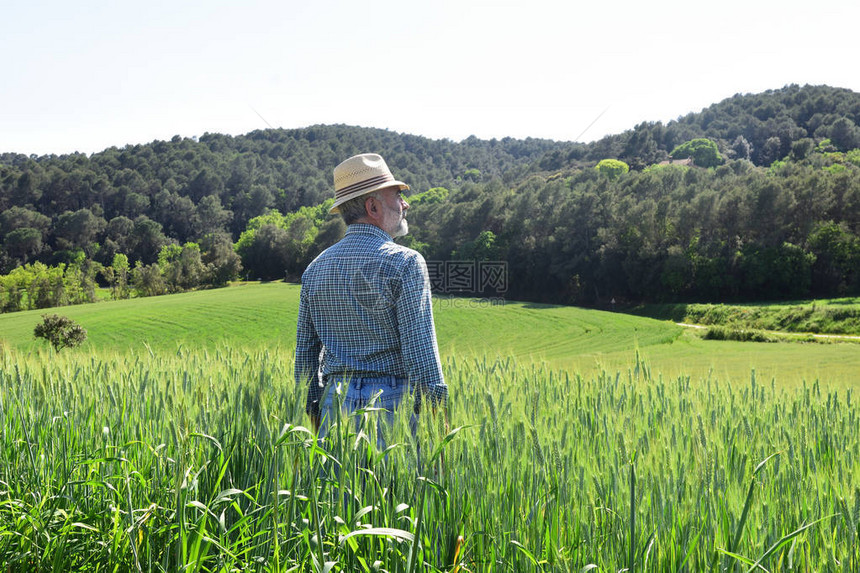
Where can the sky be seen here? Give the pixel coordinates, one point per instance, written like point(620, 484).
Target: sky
point(84, 76)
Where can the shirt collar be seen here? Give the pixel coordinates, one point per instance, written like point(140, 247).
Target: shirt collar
point(367, 229)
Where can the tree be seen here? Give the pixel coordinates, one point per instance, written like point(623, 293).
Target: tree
point(742, 148)
point(837, 258)
point(60, 331)
point(206, 184)
point(147, 280)
point(222, 262)
point(120, 268)
point(781, 271)
point(612, 168)
point(146, 240)
point(211, 216)
point(117, 239)
point(769, 151)
point(845, 134)
point(77, 229)
point(23, 243)
point(329, 233)
point(677, 271)
point(801, 148)
point(20, 217)
point(79, 280)
point(704, 152)
point(431, 196)
point(267, 255)
point(11, 294)
point(472, 174)
point(181, 267)
point(641, 149)
point(251, 204)
point(482, 248)
point(120, 229)
point(135, 204)
point(177, 214)
point(44, 285)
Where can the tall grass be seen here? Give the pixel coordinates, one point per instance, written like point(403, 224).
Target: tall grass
point(199, 460)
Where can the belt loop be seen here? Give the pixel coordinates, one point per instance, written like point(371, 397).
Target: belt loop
point(358, 383)
point(392, 380)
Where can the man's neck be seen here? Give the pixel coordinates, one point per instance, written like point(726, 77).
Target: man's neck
point(366, 221)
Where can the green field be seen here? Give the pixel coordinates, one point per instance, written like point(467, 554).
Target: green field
point(174, 440)
point(579, 340)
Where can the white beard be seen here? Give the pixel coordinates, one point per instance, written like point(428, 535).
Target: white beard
point(401, 230)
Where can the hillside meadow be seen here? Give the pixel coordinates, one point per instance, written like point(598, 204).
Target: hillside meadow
point(583, 341)
point(175, 439)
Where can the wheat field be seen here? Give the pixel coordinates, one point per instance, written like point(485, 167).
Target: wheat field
point(199, 459)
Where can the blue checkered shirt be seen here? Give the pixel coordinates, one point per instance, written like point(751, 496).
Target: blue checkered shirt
point(365, 310)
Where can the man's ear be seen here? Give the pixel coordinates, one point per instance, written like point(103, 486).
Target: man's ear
point(370, 208)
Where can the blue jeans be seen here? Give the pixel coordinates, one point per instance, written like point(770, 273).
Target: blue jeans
point(359, 392)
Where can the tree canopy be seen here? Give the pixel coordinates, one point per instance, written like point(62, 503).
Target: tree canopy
point(776, 212)
point(701, 150)
point(612, 168)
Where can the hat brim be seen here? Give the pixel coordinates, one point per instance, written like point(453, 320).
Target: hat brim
point(385, 185)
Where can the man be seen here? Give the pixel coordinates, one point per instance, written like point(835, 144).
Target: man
point(365, 313)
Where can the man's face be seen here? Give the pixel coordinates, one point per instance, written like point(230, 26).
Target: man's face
point(394, 208)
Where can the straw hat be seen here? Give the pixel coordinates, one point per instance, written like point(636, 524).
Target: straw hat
point(359, 175)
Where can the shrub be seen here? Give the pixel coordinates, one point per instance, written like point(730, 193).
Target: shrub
point(725, 333)
point(60, 331)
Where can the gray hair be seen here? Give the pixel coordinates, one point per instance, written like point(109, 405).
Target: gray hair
point(354, 209)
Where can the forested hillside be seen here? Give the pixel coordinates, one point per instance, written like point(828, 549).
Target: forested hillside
point(736, 232)
point(188, 186)
point(767, 206)
point(761, 128)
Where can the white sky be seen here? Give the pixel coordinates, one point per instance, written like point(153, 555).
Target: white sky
point(85, 75)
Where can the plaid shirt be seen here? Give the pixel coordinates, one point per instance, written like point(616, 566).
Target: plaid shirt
point(365, 310)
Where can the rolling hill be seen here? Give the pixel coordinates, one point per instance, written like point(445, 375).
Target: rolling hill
point(255, 316)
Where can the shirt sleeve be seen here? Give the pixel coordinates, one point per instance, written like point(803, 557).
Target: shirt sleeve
point(418, 333)
point(308, 347)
